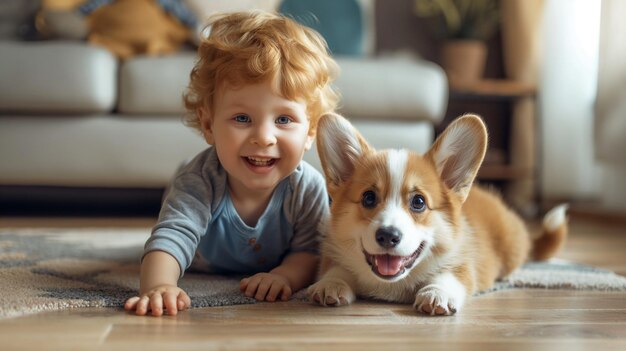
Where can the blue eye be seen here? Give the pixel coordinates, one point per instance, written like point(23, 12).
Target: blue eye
point(418, 203)
point(283, 120)
point(369, 199)
point(242, 118)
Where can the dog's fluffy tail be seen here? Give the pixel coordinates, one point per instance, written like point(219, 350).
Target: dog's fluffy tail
point(554, 232)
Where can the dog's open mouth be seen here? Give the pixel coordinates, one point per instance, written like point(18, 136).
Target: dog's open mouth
point(389, 266)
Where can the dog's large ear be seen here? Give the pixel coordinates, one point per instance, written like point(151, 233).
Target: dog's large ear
point(458, 153)
point(339, 146)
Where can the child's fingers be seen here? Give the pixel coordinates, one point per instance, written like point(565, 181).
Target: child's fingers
point(275, 289)
point(131, 303)
point(169, 301)
point(183, 301)
point(181, 304)
point(142, 305)
point(251, 288)
point(243, 284)
point(286, 293)
point(261, 291)
point(156, 304)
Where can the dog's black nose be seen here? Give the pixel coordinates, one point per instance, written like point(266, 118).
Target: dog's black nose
point(388, 237)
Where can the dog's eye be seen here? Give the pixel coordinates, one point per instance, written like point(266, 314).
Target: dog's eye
point(418, 203)
point(369, 199)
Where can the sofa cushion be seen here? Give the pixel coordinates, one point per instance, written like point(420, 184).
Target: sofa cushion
point(118, 151)
point(155, 85)
point(94, 151)
point(397, 88)
point(56, 77)
point(401, 89)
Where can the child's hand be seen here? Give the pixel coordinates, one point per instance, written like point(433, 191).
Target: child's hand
point(266, 287)
point(170, 297)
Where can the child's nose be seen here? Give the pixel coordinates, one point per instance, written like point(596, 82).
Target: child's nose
point(264, 135)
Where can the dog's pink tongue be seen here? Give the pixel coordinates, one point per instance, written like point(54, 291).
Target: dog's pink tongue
point(388, 265)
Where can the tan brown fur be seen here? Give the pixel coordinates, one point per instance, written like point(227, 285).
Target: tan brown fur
point(549, 243)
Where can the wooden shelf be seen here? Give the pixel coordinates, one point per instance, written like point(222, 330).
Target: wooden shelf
point(494, 89)
point(502, 172)
point(494, 100)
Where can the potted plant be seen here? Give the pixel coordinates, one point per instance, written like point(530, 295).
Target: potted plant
point(463, 26)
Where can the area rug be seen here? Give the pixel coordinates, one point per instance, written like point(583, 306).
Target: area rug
point(52, 269)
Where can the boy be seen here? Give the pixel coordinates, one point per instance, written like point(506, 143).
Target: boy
point(248, 204)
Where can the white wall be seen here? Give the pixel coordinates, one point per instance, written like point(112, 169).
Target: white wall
point(567, 91)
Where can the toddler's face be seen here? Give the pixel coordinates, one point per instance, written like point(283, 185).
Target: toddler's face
point(260, 137)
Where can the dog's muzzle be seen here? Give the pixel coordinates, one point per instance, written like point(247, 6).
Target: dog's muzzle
point(388, 266)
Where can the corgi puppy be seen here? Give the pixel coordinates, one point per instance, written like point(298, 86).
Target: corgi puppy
point(412, 229)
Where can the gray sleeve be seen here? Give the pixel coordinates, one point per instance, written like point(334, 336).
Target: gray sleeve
point(307, 209)
point(184, 217)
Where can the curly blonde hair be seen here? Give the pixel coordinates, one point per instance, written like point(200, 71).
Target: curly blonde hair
point(251, 47)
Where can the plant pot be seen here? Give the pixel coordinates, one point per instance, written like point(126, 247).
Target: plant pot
point(463, 61)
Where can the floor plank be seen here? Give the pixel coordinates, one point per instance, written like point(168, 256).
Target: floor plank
point(519, 319)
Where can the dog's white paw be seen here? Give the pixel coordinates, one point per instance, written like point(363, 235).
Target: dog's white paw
point(435, 301)
point(331, 292)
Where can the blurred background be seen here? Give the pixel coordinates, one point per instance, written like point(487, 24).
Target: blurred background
point(91, 112)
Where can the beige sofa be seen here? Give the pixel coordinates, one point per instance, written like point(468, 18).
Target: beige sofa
point(71, 115)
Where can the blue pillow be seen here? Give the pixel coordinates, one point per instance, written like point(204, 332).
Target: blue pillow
point(340, 22)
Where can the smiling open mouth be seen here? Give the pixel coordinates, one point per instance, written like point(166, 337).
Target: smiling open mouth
point(388, 266)
point(260, 161)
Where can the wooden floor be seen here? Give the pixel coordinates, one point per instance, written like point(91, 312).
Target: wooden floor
point(508, 320)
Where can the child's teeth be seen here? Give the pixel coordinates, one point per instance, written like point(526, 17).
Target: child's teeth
point(259, 161)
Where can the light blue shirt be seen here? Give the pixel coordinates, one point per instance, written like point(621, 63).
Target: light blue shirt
point(198, 215)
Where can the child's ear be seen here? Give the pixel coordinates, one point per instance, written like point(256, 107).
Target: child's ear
point(310, 138)
point(205, 125)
